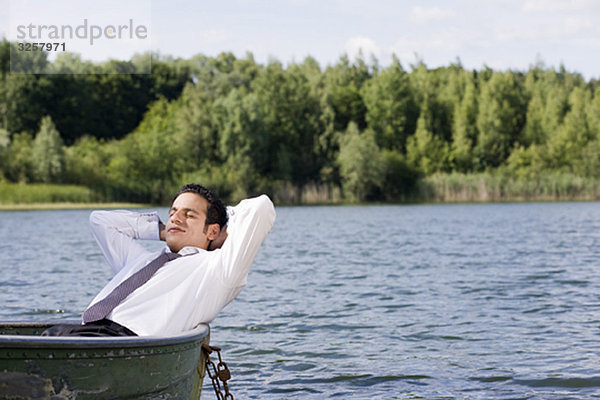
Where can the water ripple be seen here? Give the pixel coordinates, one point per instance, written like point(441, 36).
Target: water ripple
point(560, 382)
point(479, 301)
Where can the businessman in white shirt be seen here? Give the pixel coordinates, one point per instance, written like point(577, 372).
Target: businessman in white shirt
point(209, 249)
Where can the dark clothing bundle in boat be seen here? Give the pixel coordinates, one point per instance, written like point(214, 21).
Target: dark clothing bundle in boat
point(104, 327)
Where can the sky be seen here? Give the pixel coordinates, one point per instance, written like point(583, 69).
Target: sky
point(510, 34)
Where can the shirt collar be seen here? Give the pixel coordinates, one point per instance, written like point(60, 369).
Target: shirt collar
point(186, 251)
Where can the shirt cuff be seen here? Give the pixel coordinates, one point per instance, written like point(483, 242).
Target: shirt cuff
point(148, 226)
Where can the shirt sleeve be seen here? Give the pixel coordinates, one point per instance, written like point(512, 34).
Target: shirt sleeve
point(117, 233)
point(249, 223)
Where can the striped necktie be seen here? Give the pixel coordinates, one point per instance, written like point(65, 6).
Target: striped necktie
point(104, 307)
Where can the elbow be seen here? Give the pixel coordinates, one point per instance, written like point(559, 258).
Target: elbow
point(266, 209)
point(98, 218)
point(95, 218)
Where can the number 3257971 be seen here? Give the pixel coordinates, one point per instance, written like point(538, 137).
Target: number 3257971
point(48, 46)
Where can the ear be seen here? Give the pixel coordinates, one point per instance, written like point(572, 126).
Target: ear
point(213, 231)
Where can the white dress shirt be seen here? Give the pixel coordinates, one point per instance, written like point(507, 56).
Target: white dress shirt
point(188, 290)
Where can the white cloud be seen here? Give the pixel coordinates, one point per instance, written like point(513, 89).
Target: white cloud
point(214, 36)
point(300, 2)
point(519, 34)
point(360, 8)
point(439, 48)
point(444, 41)
point(564, 29)
point(576, 25)
point(423, 15)
point(248, 2)
point(357, 44)
point(536, 6)
point(259, 50)
point(4, 19)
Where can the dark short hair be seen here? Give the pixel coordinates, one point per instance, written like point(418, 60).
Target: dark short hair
point(216, 212)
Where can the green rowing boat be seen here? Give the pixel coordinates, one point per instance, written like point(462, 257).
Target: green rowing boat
point(44, 367)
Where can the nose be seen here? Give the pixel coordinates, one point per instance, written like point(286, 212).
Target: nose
point(176, 216)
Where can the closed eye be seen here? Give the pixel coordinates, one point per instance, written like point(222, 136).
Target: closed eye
point(187, 212)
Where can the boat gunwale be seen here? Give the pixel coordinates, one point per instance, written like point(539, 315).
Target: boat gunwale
point(81, 342)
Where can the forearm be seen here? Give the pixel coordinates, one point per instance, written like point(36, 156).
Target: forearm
point(117, 232)
point(249, 225)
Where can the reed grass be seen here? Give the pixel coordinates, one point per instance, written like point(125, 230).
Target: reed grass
point(439, 188)
point(310, 194)
point(485, 187)
point(70, 206)
point(14, 193)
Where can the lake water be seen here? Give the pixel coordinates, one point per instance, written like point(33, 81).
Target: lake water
point(477, 301)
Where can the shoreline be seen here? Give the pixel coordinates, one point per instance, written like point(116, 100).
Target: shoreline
point(69, 206)
point(476, 188)
point(117, 205)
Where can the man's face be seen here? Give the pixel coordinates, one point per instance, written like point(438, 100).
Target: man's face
point(186, 225)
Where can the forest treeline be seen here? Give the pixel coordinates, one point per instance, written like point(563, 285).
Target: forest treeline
point(352, 131)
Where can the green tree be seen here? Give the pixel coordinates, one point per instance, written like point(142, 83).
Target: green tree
point(548, 97)
point(147, 163)
point(567, 147)
point(400, 178)
point(327, 139)
point(120, 98)
point(557, 105)
point(425, 150)
point(391, 111)
point(4, 143)
point(22, 102)
point(464, 132)
point(47, 153)
point(344, 83)
point(218, 75)
point(18, 162)
point(72, 63)
point(86, 162)
point(68, 99)
point(362, 167)
point(292, 116)
point(194, 131)
point(500, 119)
point(593, 115)
point(243, 141)
point(4, 58)
point(169, 77)
point(450, 87)
point(534, 131)
point(441, 89)
point(526, 163)
point(28, 62)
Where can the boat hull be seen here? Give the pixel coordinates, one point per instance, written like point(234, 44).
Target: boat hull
point(43, 367)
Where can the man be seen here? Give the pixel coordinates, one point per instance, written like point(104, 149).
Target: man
point(207, 263)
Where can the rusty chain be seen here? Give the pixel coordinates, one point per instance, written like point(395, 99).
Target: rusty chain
point(218, 373)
